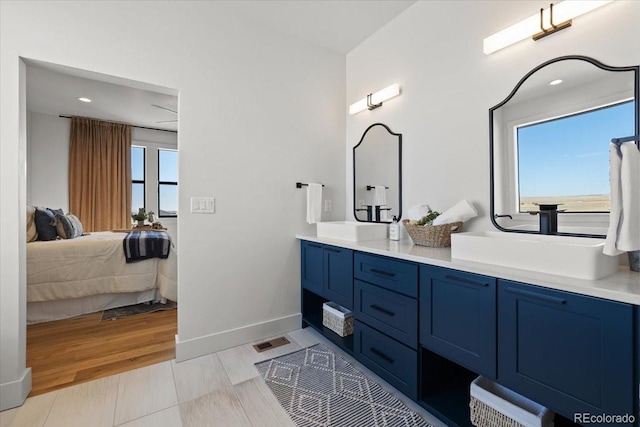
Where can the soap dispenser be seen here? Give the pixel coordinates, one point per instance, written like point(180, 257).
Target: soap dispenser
point(394, 229)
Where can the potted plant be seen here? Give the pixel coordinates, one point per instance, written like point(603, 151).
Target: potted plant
point(140, 217)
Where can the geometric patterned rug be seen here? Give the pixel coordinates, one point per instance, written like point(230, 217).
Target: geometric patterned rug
point(319, 388)
point(132, 310)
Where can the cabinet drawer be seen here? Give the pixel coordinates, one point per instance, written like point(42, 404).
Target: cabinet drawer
point(395, 362)
point(398, 276)
point(389, 312)
point(570, 352)
point(458, 317)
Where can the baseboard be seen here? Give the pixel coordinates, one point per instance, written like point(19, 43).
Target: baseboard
point(196, 347)
point(14, 393)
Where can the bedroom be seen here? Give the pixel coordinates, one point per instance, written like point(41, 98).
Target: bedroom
point(63, 278)
point(261, 110)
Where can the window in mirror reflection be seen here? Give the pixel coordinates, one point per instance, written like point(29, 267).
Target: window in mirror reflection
point(565, 160)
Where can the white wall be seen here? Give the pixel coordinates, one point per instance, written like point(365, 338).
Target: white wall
point(48, 163)
point(434, 51)
point(258, 112)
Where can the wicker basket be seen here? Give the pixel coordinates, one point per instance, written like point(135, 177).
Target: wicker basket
point(492, 405)
point(337, 318)
point(434, 236)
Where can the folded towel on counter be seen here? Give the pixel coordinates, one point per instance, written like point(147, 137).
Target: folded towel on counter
point(416, 212)
point(624, 217)
point(460, 212)
point(314, 203)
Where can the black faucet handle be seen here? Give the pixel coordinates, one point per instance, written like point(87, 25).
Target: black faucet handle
point(548, 206)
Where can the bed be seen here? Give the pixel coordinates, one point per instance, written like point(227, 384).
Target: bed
point(66, 278)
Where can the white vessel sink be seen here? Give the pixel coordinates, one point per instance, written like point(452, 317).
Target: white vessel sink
point(351, 230)
point(565, 256)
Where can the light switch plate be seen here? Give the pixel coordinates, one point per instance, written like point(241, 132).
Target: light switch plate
point(203, 205)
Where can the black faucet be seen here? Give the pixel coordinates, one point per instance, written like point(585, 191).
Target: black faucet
point(548, 218)
point(378, 209)
point(369, 210)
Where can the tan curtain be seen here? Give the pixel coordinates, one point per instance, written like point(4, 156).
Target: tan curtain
point(100, 174)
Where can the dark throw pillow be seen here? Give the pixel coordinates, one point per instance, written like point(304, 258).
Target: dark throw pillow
point(68, 226)
point(45, 224)
point(56, 212)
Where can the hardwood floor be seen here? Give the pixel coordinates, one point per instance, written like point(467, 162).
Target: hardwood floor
point(72, 351)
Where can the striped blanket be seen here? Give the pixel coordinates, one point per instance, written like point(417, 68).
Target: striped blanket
point(141, 245)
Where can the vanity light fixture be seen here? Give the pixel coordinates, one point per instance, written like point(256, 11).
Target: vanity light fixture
point(83, 99)
point(375, 100)
point(542, 24)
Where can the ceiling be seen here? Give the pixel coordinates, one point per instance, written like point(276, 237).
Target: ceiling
point(336, 25)
point(52, 90)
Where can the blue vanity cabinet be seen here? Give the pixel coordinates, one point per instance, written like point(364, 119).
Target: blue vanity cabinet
point(386, 313)
point(458, 317)
point(569, 352)
point(328, 271)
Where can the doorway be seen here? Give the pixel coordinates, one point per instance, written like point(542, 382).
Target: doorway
point(65, 351)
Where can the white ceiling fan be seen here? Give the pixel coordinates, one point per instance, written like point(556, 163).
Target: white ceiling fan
point(167, 109)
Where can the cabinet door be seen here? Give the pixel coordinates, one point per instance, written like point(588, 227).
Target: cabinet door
point(311, 258)
point(338, 275)
point(458, 317)
point(569, 352)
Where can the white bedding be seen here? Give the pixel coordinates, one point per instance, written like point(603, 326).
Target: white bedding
point(94, 265)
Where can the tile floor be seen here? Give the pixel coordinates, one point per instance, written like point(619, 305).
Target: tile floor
point(221, 389)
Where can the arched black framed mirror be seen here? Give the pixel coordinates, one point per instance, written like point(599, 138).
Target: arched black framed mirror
point(377, 175)
point(549, 145)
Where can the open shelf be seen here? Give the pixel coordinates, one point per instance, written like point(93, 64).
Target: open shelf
point(312, 316)
point(444, 391)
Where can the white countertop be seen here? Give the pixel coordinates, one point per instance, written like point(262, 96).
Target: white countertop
point(623, 286)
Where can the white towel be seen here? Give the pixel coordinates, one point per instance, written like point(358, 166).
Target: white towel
point(380, 199)
point(416, 212)
point(314, 203)
point(624, 218)
point(460, 212)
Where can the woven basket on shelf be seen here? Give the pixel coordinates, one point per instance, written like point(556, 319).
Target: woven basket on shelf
point(434, 236)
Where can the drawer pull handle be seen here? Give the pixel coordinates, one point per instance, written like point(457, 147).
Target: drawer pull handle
point(467, 281)
point(381, 355)
point(382, 272)
point(541, 297)
point(311, 245)
point(337, 251)
point(382, 310)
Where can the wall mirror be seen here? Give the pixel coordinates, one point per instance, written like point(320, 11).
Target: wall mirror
point(377, 175)
point(549, 144)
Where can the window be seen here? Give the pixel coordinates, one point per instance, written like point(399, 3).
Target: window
point(137, 178)
point(566, 160)
point(167, 183)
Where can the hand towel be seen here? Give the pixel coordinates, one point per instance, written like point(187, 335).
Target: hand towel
point(380, 199)
point(460, 212)
point(624, 218)
point(416, 212)
point(314, 203)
